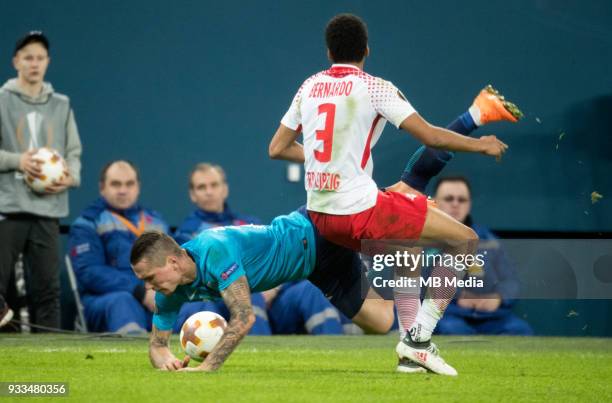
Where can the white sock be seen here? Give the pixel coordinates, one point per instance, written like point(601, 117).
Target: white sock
point(426, 321)
point(433, 306)
point(475, 114)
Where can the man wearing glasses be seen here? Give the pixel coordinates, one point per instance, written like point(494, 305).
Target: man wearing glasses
point(486, 310)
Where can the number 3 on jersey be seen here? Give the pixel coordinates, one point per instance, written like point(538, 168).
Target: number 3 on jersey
point(327, 134)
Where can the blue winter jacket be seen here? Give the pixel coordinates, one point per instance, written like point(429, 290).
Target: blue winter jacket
point(200, 220)
point(100, 246)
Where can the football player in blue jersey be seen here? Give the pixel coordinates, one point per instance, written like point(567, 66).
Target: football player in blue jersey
point(231, 262)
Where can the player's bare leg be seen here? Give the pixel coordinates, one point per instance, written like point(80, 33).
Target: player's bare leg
point(458, 239)
point(376, 315)
point(441, 226)
point(489, 106)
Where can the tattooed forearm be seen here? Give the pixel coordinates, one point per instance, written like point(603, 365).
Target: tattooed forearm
point(158, 340)
point(158, 346)
point(237, 297)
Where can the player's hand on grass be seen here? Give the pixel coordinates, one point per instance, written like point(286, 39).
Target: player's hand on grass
point(174, 364)
point(28, 164)
point(493, 146)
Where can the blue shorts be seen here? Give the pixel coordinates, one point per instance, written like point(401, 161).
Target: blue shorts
point(339, 273)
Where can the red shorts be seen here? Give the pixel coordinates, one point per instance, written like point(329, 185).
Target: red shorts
point(395, 216)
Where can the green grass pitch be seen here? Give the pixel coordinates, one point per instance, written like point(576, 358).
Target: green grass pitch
point(317, 369)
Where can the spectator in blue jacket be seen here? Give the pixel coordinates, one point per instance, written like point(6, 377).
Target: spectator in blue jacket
point(100, 242)
point(294, 308)
point(485, 310)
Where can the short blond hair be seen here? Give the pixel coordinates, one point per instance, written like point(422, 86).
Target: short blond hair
point(205, 167)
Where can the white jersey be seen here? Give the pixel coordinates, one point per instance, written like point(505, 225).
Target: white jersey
point(342, 112)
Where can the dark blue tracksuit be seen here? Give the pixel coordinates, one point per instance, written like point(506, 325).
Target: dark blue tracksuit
point(100, 245)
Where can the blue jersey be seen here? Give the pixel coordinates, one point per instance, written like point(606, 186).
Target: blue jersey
point(268, 255)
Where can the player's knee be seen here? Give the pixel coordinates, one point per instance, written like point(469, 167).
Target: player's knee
point(471, 235)
point(471, 240)
point(463, 240)
point(388, 322)
point(375, 321)
point(383, 326)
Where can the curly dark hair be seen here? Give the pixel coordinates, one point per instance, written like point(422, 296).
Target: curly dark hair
point(346, 36)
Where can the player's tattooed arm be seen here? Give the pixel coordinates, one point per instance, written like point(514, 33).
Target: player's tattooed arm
point(284, 145)
point(237, 298)
point(159, 353)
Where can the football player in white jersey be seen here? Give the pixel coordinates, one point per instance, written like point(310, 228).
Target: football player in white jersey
point(341, 112)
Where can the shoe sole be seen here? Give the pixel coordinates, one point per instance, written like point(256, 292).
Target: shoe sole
point(508, 106)
point(410, 370)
